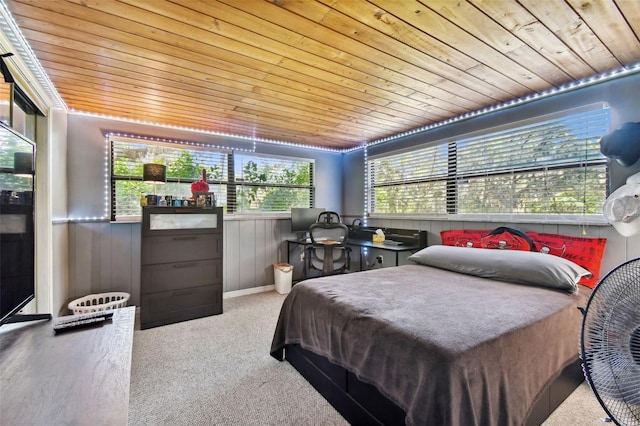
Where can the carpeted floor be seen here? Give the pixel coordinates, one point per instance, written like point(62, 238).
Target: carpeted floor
point(218, 371)
point(581, 408)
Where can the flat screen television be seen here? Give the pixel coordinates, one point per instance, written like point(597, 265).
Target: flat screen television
point(302, 218)
point(17, 237)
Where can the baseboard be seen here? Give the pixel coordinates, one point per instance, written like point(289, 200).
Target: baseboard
point(247, 291)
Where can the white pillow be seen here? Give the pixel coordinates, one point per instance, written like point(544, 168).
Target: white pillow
point(523, 267)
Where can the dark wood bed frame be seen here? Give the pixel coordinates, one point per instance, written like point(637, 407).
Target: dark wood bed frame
point(362, 404)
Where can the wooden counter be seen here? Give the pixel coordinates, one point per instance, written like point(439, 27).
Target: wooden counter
point(79, 377)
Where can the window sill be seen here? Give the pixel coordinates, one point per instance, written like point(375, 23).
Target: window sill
point(596, 220)
point(227, 217)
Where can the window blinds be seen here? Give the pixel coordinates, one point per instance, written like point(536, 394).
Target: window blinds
point(243, 183)
point(551, 167)
point(184, 166)
point(272, 184)
point(410, 182)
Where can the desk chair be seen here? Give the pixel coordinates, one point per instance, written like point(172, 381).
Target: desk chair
point(328, 217)
point(328, 252)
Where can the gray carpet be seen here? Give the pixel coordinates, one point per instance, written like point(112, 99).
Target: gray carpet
point(217, 371)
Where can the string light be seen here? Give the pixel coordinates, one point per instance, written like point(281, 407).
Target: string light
point(490, 109)
point(13, 33)
point(174, 141)
point(252, 139)
point(10, 29)
point(588, 81)
point(107, 171)
point(365, 220)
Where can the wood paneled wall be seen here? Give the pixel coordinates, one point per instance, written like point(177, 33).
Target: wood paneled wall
point(106, 257)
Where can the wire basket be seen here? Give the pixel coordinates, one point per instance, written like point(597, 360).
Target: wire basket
point(99, 302)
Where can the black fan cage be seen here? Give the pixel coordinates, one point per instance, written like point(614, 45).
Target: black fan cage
point(610, 343)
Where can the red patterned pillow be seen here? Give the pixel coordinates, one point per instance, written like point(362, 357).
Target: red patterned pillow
point(586, 252)
point(464, 237)
point(504, 238)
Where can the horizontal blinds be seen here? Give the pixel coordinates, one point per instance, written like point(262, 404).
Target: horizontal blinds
point(548, 167)
point(272, 184)
point(559, 142)
point(243, 183)
point(413, 166)
point(564, 191)
point(425, 197)
point(410, 182)
point(272, 170)
point(184, 166)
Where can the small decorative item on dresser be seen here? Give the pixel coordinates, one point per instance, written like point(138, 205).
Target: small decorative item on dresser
point(204, 199)
point(200, 186)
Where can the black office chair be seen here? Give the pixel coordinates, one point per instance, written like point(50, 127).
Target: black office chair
point(328, 251)
point(328, 217)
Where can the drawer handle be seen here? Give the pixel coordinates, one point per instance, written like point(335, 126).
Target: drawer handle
point(189, 237)
point(182, 292)
point(184, 265)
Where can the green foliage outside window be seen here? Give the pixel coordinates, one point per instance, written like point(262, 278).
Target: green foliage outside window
point(548, 168)
point(260, 184)
point(271, 184)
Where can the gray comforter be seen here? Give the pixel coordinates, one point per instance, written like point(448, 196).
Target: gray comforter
point(450, 349)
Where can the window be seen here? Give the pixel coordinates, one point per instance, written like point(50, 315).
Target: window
point(272, 184)
point(551, 167)
point(17, 110)
point(184, 166)
point(411, 182)
point(242, 183)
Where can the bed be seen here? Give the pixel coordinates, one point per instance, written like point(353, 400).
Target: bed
point(457, 337)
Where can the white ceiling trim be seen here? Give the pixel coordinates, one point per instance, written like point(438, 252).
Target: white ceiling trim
point(25, 67)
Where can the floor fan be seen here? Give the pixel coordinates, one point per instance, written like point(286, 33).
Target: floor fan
point(610, 343)
point(610, 339)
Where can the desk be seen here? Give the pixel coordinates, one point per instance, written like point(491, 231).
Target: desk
point(362, 244)
point(79, 377)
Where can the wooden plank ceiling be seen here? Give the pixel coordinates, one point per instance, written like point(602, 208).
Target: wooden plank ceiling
point(330, 73)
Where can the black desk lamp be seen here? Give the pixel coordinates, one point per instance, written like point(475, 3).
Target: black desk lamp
point(156, 173)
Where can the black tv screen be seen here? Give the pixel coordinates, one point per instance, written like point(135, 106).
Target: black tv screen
point(303, 218)
point(17, 255)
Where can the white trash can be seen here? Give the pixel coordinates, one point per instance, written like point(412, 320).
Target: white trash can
point(283, 274)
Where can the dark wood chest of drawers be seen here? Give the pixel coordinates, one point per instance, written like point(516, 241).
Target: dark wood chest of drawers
point(181, 275)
